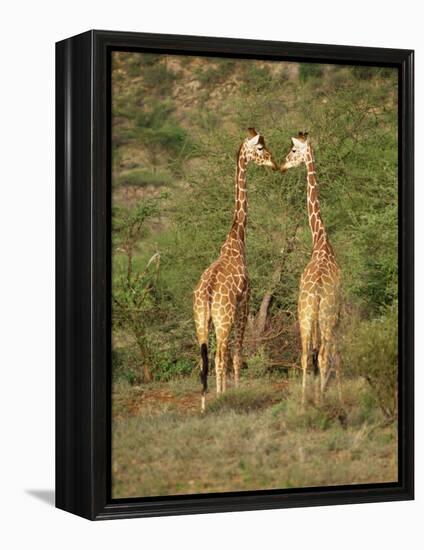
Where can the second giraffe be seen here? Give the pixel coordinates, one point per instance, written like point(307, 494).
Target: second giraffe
point(222, 294)
point(319, 292)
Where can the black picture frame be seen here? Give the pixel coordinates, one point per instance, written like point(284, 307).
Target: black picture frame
point(83, 386)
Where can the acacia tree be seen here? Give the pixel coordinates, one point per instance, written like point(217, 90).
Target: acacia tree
point(134, 287)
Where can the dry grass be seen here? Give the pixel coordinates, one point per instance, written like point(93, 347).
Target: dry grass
point(249, 439)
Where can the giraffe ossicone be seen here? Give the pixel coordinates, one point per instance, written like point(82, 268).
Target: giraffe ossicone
point(221, 297)
point(319, 291)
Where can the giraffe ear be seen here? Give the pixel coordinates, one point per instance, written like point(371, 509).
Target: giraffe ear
point(297, 142)
point(254, 140)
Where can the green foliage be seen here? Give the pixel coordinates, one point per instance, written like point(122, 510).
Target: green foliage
point(310, 71)
point(134, 289)
point(371, 351)
point(145, 117)
point(157, 77)
point(215, 74)
point(259, 364)
point(128, 224)
point(256, 78)
point(124, 366)
point(167, 367)
point(155, 129)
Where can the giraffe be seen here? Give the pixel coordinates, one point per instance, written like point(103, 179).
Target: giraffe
point(319, 292)
point(222, 294)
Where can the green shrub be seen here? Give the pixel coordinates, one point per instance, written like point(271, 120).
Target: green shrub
point(256, 78)
point(310, 70)
point(124, 365)
point(167, 367)
point(158, 78)
point(314, 417)
point(215, 74)
point(137, 63)
point(206, 76)
point(371, 350)
point(258, 364)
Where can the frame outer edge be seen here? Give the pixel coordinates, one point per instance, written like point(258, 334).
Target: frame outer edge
point(81, 267)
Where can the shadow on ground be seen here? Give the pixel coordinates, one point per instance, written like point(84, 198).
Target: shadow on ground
point(45, 495)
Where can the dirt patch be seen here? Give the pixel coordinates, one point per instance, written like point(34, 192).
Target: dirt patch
point(138, 399)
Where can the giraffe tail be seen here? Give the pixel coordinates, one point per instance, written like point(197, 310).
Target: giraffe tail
point(204, 372)
point(205, 367)
point(202, 319)
point(315, 362)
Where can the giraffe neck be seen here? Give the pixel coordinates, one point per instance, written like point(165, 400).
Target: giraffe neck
point(316, 224)
point(237, 233)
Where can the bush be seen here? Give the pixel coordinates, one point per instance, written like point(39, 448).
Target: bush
point(314, 417)
point(158, 77)
point(309, 70)
point(167, 367)
point(259, 364)
point(124, 365)
point(256, 78)
point(371, 349)
point(215, 74)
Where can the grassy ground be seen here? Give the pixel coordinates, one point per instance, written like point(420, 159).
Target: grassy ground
point(252, 438)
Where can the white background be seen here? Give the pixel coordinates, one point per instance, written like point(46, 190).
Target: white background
point(28, 33)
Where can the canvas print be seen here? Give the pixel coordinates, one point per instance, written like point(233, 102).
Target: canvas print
point(254, 274)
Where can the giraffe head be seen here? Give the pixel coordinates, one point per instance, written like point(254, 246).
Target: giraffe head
point(297, 153)
point(254, 149)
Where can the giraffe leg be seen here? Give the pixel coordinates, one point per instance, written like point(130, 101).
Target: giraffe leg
point(224, 370)
point(307, 312)
point(304, 362)
point(328, 320)
point(323, 367)
point(336, 362)
point(221, 365)
point(223, 319)
point(222, 331)
point(315, 352)
point(239, 328)
point(305, 336)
